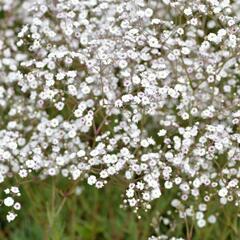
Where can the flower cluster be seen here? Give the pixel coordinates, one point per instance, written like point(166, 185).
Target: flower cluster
point(142, 92)
point(10, 202)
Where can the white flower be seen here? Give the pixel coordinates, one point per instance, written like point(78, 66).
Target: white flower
point(81, 153)
point(212, 219)
point(162, 132)
point(9, 201)
point(201, 223)
point(17, 206)
point(187, 11)
point(223, 192)
point(92, 180)
point(11, 216)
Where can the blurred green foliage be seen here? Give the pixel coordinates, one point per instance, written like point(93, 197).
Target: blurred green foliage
point(51, 210)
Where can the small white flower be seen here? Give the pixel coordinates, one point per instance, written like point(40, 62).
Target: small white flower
point(9, 201)
point(162, 132)
point(11, 216)
point(223, 192)
point(92, 180)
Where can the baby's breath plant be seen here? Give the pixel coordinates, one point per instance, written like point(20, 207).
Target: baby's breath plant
point(144, 94)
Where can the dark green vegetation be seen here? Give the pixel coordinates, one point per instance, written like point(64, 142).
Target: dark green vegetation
point(52, 210)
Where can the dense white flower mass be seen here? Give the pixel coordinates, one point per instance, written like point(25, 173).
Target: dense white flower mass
point(145, 92)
